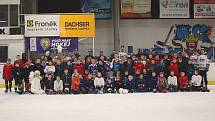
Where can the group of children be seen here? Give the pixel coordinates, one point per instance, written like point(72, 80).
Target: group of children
point(119, 73)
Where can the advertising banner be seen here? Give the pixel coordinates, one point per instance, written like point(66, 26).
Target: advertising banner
point(77, 25)
point(42, 44)
point(42, 25)
point(204, 8)
point(101, 8)
point(174, 8)
point(135, 8)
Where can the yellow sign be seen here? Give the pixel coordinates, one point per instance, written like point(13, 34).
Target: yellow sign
point(77, 25)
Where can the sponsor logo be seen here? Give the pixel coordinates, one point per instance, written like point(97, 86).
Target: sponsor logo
point(45, 43)
point(31, 23)
point(77, 25)
point(174, 4)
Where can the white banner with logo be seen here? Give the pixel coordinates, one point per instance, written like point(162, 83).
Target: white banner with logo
point(42, 25)
point(174, 8)
point(204, 9)
point(4, 30)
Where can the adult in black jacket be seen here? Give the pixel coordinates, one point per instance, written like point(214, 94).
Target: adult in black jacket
point(38, 66)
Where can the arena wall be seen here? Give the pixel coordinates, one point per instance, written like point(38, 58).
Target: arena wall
point(140, 33)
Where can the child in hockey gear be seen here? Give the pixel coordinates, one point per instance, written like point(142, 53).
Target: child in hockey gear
point(119, 83)
point(154, 81)
point(138, 67)
point(93, 68)
point(58, 67)
point(111, 77)
point(196, 81)
point(79, 67)
point(174, 67)
point(108, 65)
point(75, 83)
point(49, 85)
point(130, 66)
point(151, 83)
point(66, 77)
point(203, 63)
point(172, 82)
point(18, 77)
point(162, 83)
point(116, 65)
point(189, 70)
point(99, 83)
point(35, 83)
point(26, 72)
point(183, 80)
point(101, 67)
point(130, 84)
point(50, 68)
point(89, 84)
point(140, 84)
point(109, 87)
point(166, 62)
point(58, 85)
point(152, 66)
point(7, 75)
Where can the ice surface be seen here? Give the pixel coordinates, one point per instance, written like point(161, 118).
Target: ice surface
point(109, 107)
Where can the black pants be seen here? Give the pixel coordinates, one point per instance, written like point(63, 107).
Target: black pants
point(196, 88)
point(8, 84)
point(203, 73)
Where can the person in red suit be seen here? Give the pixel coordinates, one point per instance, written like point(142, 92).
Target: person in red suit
point(174, 67)
point(183, 81)
point(75, 80)
point(79, 67)
point(138, 67)
point(7, 75)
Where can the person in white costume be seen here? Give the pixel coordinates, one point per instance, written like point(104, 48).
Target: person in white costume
point(99, 83)
point(35, 79)
point(196, 81)
point(172, 82)
point(58, 85)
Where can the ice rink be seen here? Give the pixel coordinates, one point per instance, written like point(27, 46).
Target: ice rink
point(130, 107)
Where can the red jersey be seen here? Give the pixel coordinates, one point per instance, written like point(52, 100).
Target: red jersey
point(183, 80)
point(7, 71)
point(75, 83)
point(20, 62)
point(138, 67)
point(79, 68)
point(174, 67)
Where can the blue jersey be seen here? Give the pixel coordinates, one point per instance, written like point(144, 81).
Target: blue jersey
point(107, 66)
point(93, 68)
point(113, 79)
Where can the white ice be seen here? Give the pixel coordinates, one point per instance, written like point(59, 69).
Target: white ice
point(109, 107)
